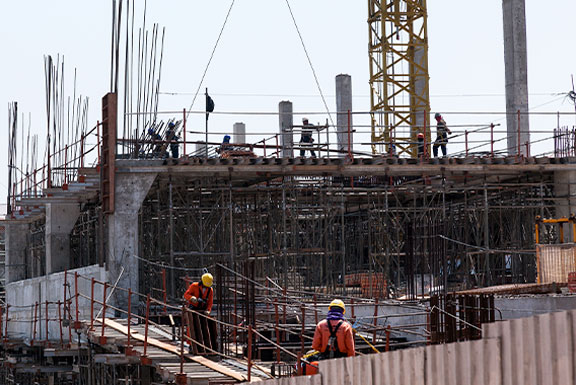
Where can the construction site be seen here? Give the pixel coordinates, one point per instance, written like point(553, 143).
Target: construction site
point(455, 269)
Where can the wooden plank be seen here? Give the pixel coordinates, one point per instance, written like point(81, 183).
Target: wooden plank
point(175, 350)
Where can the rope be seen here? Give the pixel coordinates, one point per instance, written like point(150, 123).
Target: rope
point(211, 56)
point(310, 63)
point(486, 249)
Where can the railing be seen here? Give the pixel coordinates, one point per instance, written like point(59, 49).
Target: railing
point(466, 140)
point(62, 168)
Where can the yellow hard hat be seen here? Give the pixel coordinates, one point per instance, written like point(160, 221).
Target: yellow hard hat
point(207, 279)
point(337, 303)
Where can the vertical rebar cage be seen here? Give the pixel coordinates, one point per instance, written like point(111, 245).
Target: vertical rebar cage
point(399, 81)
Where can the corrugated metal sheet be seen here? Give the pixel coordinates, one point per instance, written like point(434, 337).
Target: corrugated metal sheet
point(539, 350)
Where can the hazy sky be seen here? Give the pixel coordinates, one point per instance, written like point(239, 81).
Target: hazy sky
point(260, 60)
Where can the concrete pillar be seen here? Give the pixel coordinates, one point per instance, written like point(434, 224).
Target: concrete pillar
point(16, 241)
point(131, 189)
point(421, 88)
point(343, 105)
point(60, 220)
point(286, 128)
point(516, 65)
point(239, 133)
point(565, 194)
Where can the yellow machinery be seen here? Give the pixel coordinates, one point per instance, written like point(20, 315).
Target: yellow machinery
point(399, 81)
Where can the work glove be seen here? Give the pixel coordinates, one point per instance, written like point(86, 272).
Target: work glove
point(194, 300)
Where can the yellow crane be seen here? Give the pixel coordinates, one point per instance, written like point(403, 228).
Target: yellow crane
point(399, 80)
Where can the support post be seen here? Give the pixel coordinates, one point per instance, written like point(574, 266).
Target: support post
point(250, 335)
point(92, 283)
point(102, 337)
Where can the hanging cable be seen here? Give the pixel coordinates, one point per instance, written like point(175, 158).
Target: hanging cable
point(211, 56)
point(310, 62)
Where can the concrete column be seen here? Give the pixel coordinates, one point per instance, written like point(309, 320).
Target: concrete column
point(131, 189)
point(516, 64)
point(421, 88)
point(565, 194)
point(16, 241)
point(286, 128)
point(239, 133)
point(60, 220)
point(343, 105)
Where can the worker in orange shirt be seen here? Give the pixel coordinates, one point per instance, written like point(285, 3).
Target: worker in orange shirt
point(334, 336)
point(200, 295)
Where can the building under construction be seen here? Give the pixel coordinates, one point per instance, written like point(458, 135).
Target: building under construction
point(104, 236)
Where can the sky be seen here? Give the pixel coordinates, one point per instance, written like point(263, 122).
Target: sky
point(260, 61)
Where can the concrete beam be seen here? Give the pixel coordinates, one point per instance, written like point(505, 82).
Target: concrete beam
point(286, 129)
point(131, 189)
point(60, 220)
point(516, 68)
point(343, 106)
point(16, 241)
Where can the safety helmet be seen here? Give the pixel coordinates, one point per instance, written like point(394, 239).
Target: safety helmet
point(304, 120)
point(437, 115)
point(207, 279)
point(151, 131)
point(171, 125)
point(420, 135)
point(338, 303)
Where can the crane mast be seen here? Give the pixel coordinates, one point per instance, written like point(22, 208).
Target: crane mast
point(399, 80)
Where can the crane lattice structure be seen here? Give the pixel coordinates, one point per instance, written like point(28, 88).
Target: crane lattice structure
point(398, 49)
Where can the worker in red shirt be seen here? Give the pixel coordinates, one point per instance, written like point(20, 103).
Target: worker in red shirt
point(200, 295)
point(334, 336)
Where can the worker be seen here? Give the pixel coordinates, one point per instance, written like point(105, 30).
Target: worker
point(172, 138)
point(156, 142)
point(225, 146)
point(334, 337)
point(420, 145)
point(442, 132)
point(306, 138)
point(200, 295)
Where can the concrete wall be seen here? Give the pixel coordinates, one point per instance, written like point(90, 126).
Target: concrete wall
point(527, 306)
point(22, 296)
point(16, 238)
point(565, 194)
point(60, 220)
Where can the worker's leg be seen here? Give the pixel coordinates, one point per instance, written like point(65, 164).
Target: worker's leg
point(435, 149)
point(313, 153)
point(444, 151)
point(302, 153)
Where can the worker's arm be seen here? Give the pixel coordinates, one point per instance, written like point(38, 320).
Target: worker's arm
point(189, 293)
point(210, 301)
point(349, 337)
point(317, 342)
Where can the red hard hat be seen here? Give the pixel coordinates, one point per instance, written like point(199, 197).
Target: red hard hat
point(420, 135)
